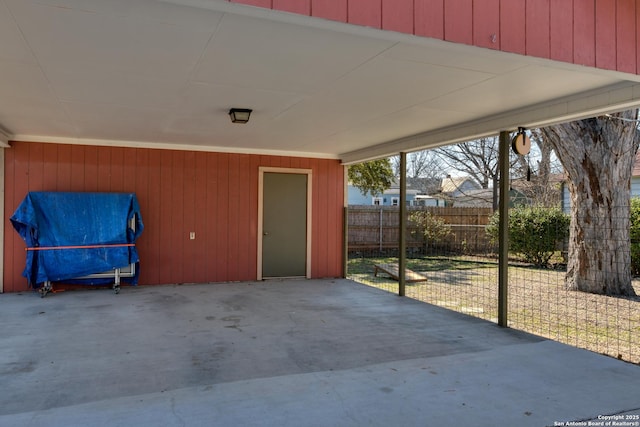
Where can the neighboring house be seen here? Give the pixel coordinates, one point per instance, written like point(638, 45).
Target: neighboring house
point(457, 186)
point(426, 200)
point(390, 197)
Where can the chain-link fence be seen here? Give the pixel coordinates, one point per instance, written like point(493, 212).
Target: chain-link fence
point(457, 268)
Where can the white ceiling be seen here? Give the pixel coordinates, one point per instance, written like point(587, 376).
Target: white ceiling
point(164, 74)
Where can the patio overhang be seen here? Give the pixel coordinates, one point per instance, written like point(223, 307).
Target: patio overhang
point(163, 74)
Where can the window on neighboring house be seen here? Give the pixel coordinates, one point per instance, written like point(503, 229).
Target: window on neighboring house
point(395, 201)
point(377, 201)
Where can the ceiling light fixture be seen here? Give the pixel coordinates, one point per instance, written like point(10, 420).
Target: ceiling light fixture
point(240, 115)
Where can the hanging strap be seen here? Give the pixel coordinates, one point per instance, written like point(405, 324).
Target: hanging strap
point(51, 248)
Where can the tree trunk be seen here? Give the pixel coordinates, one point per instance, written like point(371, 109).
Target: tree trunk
point(598, 156)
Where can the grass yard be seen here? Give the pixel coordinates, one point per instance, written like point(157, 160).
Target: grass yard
point(537, 301)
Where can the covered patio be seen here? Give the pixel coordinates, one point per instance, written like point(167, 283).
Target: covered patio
point(288, 352)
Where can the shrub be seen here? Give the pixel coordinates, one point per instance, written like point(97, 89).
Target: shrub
point(634, 234)
point(430, 227)
point(534, 232)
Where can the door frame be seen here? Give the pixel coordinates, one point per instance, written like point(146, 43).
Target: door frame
point(268, 169)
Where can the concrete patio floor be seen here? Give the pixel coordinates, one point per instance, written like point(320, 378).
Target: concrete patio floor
point(288, 353)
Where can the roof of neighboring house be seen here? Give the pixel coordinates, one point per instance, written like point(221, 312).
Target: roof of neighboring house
point(396, 190)
point(452, 184)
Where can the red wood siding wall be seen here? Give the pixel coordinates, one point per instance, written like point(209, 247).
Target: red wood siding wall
point(213, 194)
point(598, 33)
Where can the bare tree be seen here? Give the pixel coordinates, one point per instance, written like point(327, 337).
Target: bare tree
point(420, 164)
point(424, 171)
point(478, 159)
point(598, 156)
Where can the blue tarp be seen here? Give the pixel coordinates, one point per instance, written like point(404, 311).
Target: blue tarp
point(50, 220)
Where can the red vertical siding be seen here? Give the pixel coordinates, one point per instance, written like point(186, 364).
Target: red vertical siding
point(486, 23)
point(233, 216)
point(64, 167)
point(429, 18)
point(77, 168)
point(302, 7)
point(199, 245)
point(397, 15)
point(626, 45)
point(637, 38)
point(458, 21)
point(49, 167)
point(605, 34)
point(537, 28)
point(561, 30)
point(584, 32)
point(512, 26)
point(189, 220)
point(36, 168)
point(90, 168)
point(335, 10)
point(221, 235)
point(260, 3)
point(213, 194)
point(565, 30)
point(177, 225)
point(104, 169)
point(11, 249)
point(367, 13)
point(150, 261)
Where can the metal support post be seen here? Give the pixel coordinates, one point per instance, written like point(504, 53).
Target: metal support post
point(345, 224)
point(503, 229)
point(402, 243)
point(345, 242)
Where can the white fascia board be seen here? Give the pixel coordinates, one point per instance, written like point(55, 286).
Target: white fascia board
point(617, 97)
point(4, 138)
point(168, 146)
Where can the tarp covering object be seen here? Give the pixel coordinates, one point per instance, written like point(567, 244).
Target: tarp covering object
point(54, 224)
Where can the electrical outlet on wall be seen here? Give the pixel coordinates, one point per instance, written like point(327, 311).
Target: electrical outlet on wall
point(192, 235)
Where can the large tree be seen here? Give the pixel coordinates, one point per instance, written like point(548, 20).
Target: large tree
point(597, 155)
point(371, 177)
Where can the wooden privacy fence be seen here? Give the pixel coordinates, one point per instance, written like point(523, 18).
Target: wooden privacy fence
point(376, 228)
